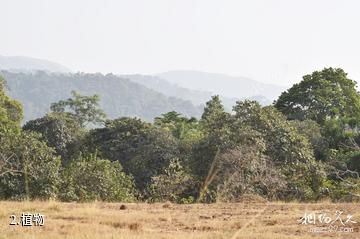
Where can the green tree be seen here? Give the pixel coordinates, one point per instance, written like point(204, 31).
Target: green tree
point(84, 108)
point(89, 178)
point(33, 169)
point(10, 111)
point(312, 131)
point(215, 126)
point(247, 170)
point(214, 117)
point(326, 94)
point(60, 131)
point(181, 127)
point(187, 131)
point(142, 149)
point(175, 184)
point(283, 144)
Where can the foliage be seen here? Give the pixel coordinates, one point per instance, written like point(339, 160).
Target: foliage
point(185, 129)
point(28, 167)
point(215, 122)
point(142, 149)
point(173, 185)
point(354, 161)
point(284, 145)
point(246, 170)
point(10, 111)
point(60, 131)
point(347, 191)
point(283, 142)
point(119, 95)
point(339, 133)
point(215, 126)
point(91, 178)
point(331, 99)
point(305, 147)
point(85, 109)
point(326, 94)
point(313, 132)
point(32, 167)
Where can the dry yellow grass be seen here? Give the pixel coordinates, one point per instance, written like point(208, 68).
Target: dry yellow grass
point(230, 221)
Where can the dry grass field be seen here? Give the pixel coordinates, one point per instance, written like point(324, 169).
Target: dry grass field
point(230, 221)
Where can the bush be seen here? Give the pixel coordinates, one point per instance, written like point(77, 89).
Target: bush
point(348, 190)
point(90, 178)
point(28, 167)
point(174, 185)
point(246, 170)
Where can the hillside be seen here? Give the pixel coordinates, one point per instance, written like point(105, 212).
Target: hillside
point(29, 64)
point(227, 86)
point(197, 97)
point(119, 96)
point(184, 91)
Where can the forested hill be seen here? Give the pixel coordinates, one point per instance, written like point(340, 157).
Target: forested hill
point(197, 97)
point(30, 64)
point(119, 96)
point(227, 86)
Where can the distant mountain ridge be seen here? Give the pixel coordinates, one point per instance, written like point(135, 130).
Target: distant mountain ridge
point(37, 83)
point(227, 86)
point(197, 97)
point(198, 87)
point(192, 85)
point(29, 64)
point(119, 96)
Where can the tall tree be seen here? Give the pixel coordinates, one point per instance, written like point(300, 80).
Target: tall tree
point(143, 150)
point(322, 95)
point(84, 108)
point(34, 167)
point(282, 143)
point(10, 110)
point(60, 131)
point(215, 126)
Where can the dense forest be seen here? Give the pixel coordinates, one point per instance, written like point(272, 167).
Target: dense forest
point(303, 147)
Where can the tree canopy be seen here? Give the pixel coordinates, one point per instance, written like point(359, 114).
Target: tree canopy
point(85, 109)
point(304, 147)
point(322, 95)
point(11, 112)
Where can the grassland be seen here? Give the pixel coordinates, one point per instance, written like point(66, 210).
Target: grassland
point(165, 220)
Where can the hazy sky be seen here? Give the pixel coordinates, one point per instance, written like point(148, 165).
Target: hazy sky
point(271, 40)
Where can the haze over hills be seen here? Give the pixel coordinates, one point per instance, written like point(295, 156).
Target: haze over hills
point(194, 85)
point(228, 86)
point(37, 83)
point(29, 64)
point(197, 97)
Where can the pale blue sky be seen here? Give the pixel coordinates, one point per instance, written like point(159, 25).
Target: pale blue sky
point(270, 40)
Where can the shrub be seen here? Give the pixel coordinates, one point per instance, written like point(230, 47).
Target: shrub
point(90, 178)
point(28, 167)
point(174, 185)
